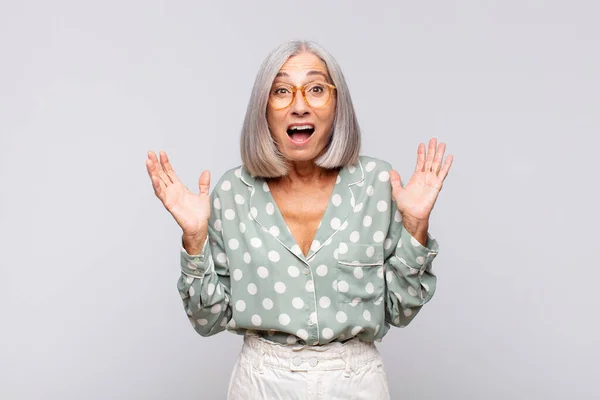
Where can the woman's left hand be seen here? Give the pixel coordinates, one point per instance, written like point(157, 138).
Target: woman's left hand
point(416, 200)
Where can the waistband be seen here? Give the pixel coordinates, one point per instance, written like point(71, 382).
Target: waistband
point(349, 356)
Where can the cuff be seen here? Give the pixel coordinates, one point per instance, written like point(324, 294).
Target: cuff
point(414, 254)
point(194, 265)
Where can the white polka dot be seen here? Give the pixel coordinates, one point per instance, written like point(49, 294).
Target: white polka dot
point(226, 185)
point(274, 231)
point(284, 319)
point(336, 200)
point(211, 289)
point(237, 274)
point(336, 253)
point(242, 227)
point(202, 322)
point(232, 323)
point(322, 270)
point(291, 339)
point(239, 199)
point(358, 207)
point(327, 333)
point(378, 301)
point(341, 317)
point(314, 246)
point(215, 309)
point(370, 166)
point(397, 216)
point(302, 334)
point(240, 305)
point(256, 320)
point(324, 302)
point(336, 223)
point(273, 256)
point(191, 291)
point(344, 225)
point(358, 272)
point(238, 172)
point(414, 242)
point(222, 258)
point(387, 243)
point(247, 258)
point(334, 285)
point(354, 237)
point(370, 191)
point(313, 317)
point(425, 286)
point(382, 206)
point(376, 329)
point(189, 279)
point(262, 272)
point(420, 260)
point(217, 225)
point(256, 242)
point(369, 288)
point(267, 303)
point(370, 251)
point(234, 244)
point(367, 315)
point(296, 249)
point(412, 291)
point(389, 276)
point(252, 289)
point(398, 296)
point(343, 248)
point(298, 303)
point(407, 312)
point(293, 271)
point(266, 187)
point(280, 287)
point(217, 203)
point(355, 301)
point(384, 176)
point(367, 220)
point(343, 286)
point(351, 169)
point(378, 236)
point(270, 208)
point(356, 330)
point(310, 286)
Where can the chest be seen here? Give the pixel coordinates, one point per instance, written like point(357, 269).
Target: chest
point(302, 211)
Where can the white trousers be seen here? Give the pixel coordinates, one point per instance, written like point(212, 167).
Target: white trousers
point(267, 370)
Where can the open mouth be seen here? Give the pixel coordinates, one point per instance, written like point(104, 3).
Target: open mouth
point(300, 133)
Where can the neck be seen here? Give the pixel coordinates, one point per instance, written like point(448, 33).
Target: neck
point(306, 173)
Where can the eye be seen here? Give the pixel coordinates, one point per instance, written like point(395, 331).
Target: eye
point(316, 88)
point(281, 90)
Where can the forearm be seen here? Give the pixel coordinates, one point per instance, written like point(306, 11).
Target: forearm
point(418, 229)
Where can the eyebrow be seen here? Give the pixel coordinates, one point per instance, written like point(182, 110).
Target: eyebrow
point(309, 73)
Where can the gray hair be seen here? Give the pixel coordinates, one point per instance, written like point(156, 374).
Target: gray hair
point(260, 155)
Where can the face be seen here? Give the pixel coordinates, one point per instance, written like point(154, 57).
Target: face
point(299, 130)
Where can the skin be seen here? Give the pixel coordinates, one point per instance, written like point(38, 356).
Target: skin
point(302, 195)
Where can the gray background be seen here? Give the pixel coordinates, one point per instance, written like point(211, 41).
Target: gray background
point(89, 258)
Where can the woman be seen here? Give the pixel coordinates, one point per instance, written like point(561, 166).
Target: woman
point(308, 250)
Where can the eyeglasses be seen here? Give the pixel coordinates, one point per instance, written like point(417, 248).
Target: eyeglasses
point(316, 94)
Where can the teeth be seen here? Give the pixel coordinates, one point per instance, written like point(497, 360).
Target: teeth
point(298, 127)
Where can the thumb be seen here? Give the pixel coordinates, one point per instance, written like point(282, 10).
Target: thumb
point(204, 182)
point(395, 180)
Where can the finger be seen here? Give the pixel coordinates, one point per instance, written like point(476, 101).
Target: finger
point(446, 167)
point(420, 158)
point(164, 160)
point(396, 182)
point(204, 182)
point(152, 170)
point(159, 169)
point(430, 154)
point(158, 188)
point(439, 155)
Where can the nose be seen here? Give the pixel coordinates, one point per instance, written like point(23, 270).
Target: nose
point(299, 106)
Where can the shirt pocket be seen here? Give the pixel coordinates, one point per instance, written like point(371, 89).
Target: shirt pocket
point(360, 272)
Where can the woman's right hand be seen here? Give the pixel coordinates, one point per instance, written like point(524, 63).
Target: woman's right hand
point(191, 211)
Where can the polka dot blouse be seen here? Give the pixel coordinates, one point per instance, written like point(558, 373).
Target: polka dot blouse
point(363, 273)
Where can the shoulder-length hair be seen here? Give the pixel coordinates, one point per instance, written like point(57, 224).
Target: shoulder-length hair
point(259, 152)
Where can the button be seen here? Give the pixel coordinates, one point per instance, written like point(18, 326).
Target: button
point(297, 361)
point(196, 259)
point(311, 322)
point(313, 362)
point(306, 271)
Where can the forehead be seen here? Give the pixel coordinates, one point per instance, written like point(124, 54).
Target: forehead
point(303, 64)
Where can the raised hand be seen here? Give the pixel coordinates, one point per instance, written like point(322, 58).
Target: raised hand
point(191, 211)
point(416, 200)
